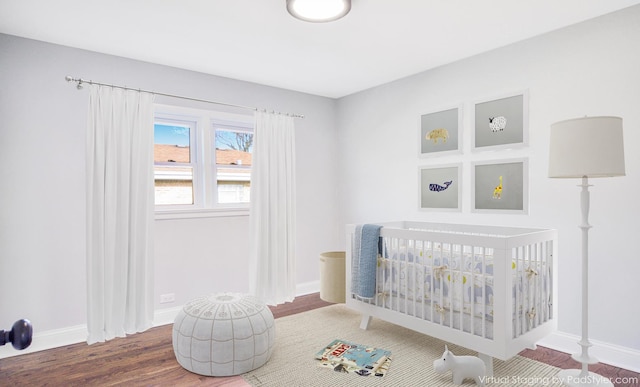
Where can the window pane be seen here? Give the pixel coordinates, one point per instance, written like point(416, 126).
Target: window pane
point(234, 185)
point(171, 143)
point(173, 185)
point(233, 158)
point(233, 147)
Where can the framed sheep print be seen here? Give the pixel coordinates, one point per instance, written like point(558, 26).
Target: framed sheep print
point(440, 187)
point(440, 132)
point(500, 186)
point(501, 122)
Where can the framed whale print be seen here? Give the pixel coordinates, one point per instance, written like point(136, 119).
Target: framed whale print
point(501, 123)
point(439, 132)
point(440, 187)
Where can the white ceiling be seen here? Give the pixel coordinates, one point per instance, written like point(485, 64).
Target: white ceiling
point(258, 41)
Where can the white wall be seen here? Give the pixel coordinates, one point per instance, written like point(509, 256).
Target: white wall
point(588, 69)
point(42, 191)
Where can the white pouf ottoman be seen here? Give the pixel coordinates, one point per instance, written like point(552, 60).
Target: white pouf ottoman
point(223, 334)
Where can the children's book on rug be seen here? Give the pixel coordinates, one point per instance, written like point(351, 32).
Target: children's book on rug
point(348, 357)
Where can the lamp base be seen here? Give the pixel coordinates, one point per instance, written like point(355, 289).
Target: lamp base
point(574, 378)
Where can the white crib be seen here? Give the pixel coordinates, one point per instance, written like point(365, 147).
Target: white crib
point(489, 289)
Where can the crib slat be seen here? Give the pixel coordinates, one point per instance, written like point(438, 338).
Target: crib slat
point(538, 287)
point(484, 292)
point(396, 278)
point(550, 275)
point(544, 299)
point(449, 294)
point(517, 294)
point(406, 275)
point(528, 280)
point(460, 286)
point(472, 291)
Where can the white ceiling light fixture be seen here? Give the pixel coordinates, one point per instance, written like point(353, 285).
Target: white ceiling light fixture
point(318, 11)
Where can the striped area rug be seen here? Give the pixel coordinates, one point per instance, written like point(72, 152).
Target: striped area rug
point(298, 338)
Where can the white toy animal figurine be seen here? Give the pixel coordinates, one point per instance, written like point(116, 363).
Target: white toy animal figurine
point(461, 366)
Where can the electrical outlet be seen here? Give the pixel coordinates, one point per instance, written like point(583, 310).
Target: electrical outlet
point(167, 298)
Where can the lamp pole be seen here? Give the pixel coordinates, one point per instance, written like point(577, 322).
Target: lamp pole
point(584, 357)
point(583, 377)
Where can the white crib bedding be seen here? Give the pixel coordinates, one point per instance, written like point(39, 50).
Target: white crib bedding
point(437, 315)
point(446, 317)
point(455, 277)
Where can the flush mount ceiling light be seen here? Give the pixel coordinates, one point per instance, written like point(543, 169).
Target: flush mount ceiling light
point(318, 11)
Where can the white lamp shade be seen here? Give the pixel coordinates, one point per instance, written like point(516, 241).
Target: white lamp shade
point(318, 11)
point(589, 146)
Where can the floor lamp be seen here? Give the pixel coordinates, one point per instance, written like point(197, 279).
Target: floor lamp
point(583, 148)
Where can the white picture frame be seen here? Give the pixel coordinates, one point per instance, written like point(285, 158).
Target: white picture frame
point(440, 187)
point(501, 122)
point(440, 132)
point(500, 186)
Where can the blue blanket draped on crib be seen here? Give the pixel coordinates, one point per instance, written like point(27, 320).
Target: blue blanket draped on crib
point(365, 260)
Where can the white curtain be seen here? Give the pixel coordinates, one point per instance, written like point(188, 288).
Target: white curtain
point(273, 203)
point(120, 206)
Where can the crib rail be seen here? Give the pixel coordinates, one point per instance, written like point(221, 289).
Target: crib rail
point(477, 284)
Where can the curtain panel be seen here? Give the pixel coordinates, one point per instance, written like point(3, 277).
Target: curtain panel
point(272, 209)
point(120, 208)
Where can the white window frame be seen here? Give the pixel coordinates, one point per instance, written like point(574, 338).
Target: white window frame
point(203, 160)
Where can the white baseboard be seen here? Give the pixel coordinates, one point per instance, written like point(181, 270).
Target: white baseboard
point(49, 339)
point(165, 316)
point(168, 316)
point(56, 338)
point(615, 355)
point(307, 288)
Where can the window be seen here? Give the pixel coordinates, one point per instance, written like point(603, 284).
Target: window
point(202, 159)
point(174, 162)
point(234, 145)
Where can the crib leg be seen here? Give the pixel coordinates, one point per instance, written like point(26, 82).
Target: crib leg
point(364, 324)
point(488, 362)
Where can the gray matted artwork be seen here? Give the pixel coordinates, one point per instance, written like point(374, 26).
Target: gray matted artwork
point(440, 188)
point(439, 131)
point(500, 122)
point(500, 186)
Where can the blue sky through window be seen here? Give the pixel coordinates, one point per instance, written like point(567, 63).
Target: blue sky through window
point(179, 135)
point(171, 135)
point(225, 137)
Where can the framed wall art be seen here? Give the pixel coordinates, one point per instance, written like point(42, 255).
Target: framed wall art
point(500, 186)
point(501, 122)
point(440, 187)
point(440, 132)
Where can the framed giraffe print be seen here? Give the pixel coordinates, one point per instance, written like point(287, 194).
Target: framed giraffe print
point(440, 187)
point(439, 132)
point(501, 123)
point(500, 186)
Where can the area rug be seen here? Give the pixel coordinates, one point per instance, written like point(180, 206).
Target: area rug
point(299, 336)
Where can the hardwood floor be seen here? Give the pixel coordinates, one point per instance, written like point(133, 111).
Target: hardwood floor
point(147, 359)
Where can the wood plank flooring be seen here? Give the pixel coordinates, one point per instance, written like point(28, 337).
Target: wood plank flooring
point(147, 359)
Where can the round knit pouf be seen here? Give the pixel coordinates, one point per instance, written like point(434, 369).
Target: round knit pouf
point(223, 334)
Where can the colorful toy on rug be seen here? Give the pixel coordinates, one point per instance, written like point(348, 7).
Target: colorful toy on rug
point(344, 356)
point(462, 367)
